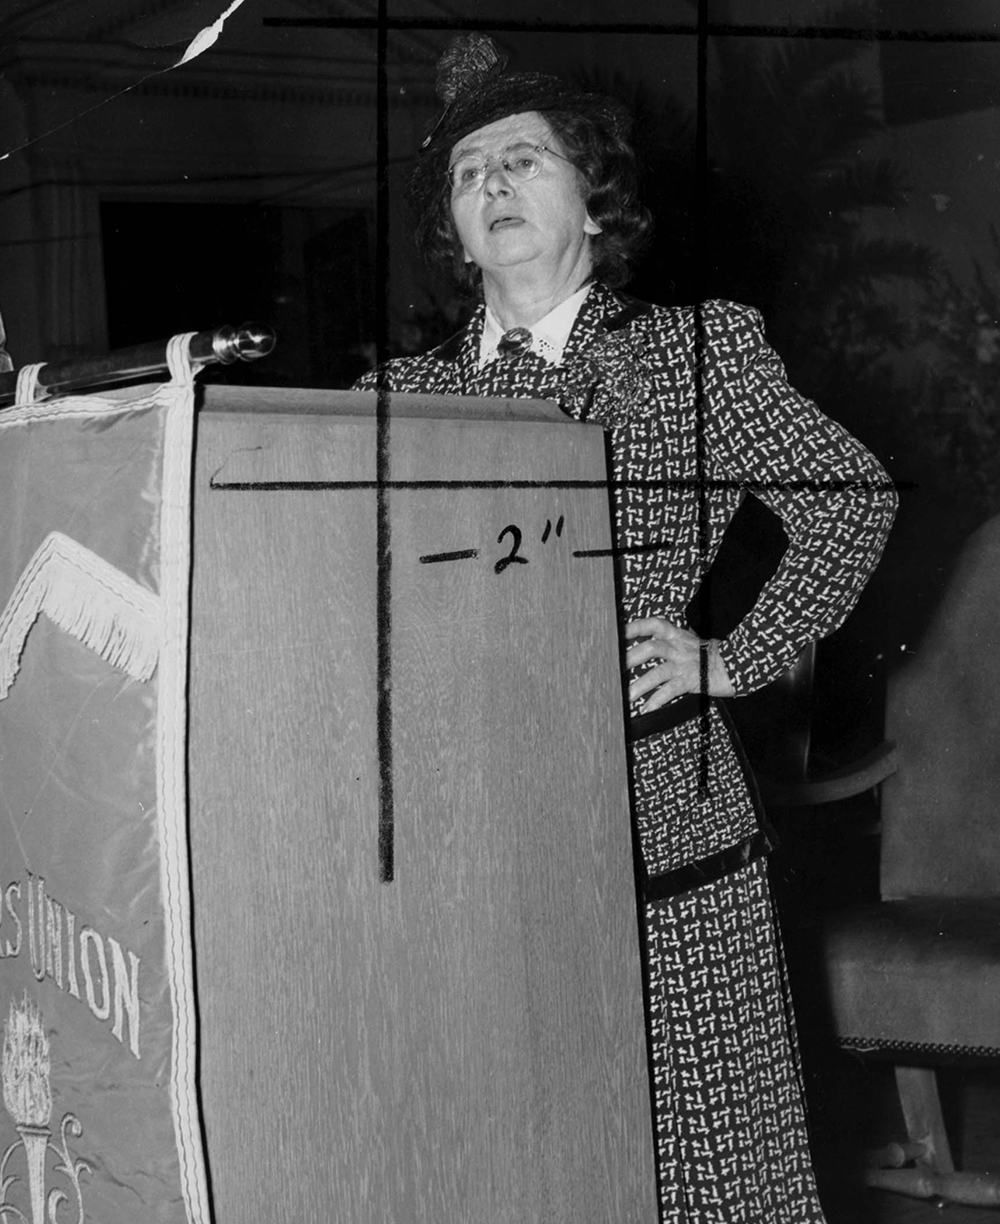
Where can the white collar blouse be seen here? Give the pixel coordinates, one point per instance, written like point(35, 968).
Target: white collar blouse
point(548, 336)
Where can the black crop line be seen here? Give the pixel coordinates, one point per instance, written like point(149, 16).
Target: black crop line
point(700, 349)
point(383, 483)
point(383, 530)
point(627, 550)
point(709, 484)
point(669, 29)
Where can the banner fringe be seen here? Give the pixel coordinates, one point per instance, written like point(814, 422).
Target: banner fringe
point(104, 609)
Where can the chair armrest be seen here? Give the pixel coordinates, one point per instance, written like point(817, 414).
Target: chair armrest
point(853, 779)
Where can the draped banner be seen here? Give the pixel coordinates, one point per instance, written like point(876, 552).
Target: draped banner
point(99, 1119)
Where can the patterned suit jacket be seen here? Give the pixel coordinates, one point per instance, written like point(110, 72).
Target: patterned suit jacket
point(699, 413)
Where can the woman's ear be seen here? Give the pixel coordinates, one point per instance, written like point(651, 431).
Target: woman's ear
point(590, 226)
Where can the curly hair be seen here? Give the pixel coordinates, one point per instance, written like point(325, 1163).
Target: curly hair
point(609, 172)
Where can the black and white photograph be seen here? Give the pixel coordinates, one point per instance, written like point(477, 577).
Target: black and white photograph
point(500, 611)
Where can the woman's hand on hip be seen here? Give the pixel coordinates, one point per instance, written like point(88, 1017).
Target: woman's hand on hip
point(680, 668)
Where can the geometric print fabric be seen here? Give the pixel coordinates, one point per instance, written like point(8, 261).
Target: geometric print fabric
point(723, 1043)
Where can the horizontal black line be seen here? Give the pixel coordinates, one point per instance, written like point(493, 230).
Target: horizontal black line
point(363, 485)
point(464, 555)
point(749, 486)
point(498, 25)
point(712, 30)
point(633, 550)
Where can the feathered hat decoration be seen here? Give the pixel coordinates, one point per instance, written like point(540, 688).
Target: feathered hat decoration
point(475, 89)
point(465, 67)
point(467, 60)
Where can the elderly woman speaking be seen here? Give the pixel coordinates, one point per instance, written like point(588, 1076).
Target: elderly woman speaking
point(526, 189)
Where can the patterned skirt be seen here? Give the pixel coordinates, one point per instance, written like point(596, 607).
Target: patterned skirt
point(732, 1146)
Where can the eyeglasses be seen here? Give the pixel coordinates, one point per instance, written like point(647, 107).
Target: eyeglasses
point(522, 162)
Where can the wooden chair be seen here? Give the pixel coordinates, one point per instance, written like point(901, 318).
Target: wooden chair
point(915, 975)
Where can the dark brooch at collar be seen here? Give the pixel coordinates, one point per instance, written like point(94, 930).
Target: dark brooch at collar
point(513, 342)
point(631, 309)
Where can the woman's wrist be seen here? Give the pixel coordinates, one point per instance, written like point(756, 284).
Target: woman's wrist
point(719, 683)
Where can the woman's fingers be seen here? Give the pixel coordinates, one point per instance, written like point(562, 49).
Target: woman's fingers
point(642, 652)
point(650, 626)
point(652, 638)
point(686, 663)
point(662, 681)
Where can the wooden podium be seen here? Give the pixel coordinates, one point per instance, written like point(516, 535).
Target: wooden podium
point(463, 1044)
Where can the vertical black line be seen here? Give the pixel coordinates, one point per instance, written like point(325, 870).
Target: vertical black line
point(383, 537)
point(701, 257)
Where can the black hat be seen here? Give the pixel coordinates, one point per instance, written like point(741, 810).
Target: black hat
point(475, 88)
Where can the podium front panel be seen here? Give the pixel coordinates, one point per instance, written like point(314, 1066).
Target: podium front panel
point(463, 1042)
